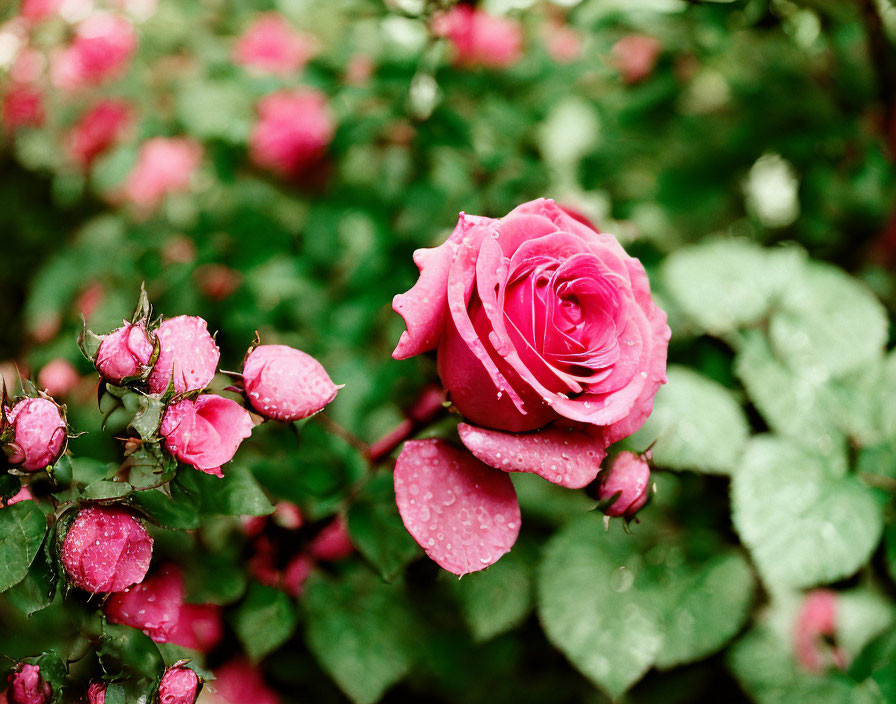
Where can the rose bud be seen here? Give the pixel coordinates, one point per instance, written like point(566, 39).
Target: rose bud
point(124, 353)
point(97, 130)
point(548, 343)
point(106, 549)
point(26, 686)
point(239, 682)
point(58, 377)
point(270, 45)
point(815, 631)
point(179, 685)
point(40, 433)
point(332, 543)
point(627, 479)
point(96, 693)
point(283, 383)
point(188, 355)
point(296, 574)
point(481, 39)
point(292, 132)
point(199, 627)
point(164, 165)
point(153, 606)
point(205, 432)
point(23, 494)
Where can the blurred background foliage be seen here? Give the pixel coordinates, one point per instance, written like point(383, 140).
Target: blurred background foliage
point(669, 123)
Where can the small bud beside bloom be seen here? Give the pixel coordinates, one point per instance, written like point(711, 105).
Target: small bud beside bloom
point(628, 477)
point(40, 433)
point(188, 355)
point(26, 686)
point(96, 693)
point(106, 549)
point(179, 685)
point(123, 353)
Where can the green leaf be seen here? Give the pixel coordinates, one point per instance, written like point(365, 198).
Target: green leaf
point(53, 670)
point(161, 508)
point(593, 607)
point(125, 649)
point(360, 631)
point(827, 322)
point(496, 599)
point(804, 522)
point(377, 531)
point(37, 590)
point(86, 470)
point(106, 489)
point(704, 608)
point(22, 529)
point(236, 494)
point(215, 580)
point(148, 417)
point(264, 620)
point(727, 284)
point(696, 424)
point(215, 110)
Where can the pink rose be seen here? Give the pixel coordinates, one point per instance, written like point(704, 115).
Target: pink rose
point(40, 433)
point(635, 57)
point(188, 355)
point(164, 165)
point(292, 132)
point(205, 432)
point(22, 107)
point(23, 494)
point(481, 39)
point(548, 341)
point(97, 130)
point(199, 627)
point(627, 478)
point(333, 542)
point(124, 353)
point(101, 49)
point(179, 685)
point(153, 606)
point(239, 682)
point(96, 693)
point(285, 384)
point(106, 549)
point(815, 633)
point(270, 45)
point(58, 377)
point(26, 686)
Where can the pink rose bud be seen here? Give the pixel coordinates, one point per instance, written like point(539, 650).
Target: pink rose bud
point(96, 693)
point(179, 685)
point(26, 686)
point(629, 477)
point(22, 107)
point(124, 353)
point(106, 549)
point(188, 355)
point(101, 50)
point(199, 627)
point(153, 606)
point(23, 494)
point(816, 627)
point(240, 682)
point(164, 165)
point(635, 56)
point(270, 45)
point(292, 132)
point(58, 377)
point(333, 542)
point(98, 130)
point(205, 432)
point(40, 433)
point(481, 39)
point(296, 574)
point(283, 383)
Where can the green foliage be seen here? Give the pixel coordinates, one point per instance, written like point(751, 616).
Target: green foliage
point(22, 529)
point(264, 620)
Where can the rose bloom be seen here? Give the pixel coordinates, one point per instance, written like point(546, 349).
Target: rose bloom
point(481, 39)
point(550, 345)
point(40, 433)
point(58, 377)
point(164, 165)
point(22, 107)
point(26, 686)
point(100, 51)
point(292, 131)
point(635, 56)
point(238, 682)
point(179, 685)
point(188, 355)
point(205, 432)
point(270, 45)
point(97, 130)
point(106, 549)
point(124, 353)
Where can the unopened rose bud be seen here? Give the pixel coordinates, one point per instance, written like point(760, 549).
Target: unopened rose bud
point(285, 384)
point(333, 542)
point(106, 549)
point(627, 478)
point(205, 432)
point(39, 433)
point(26, 686)
point(179, 685)
point(188, 355)
point(96, 693)
point(124, 353)
point(58, 377)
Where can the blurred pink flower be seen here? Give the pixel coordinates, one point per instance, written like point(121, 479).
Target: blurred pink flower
point(481, 39)
point(58, 377)
point(37, 10)
point(333, 542)
point(22, 107)
point(97, 130)
point(635, 57)
point(816, 623)
point(217, 281)
point(101, 49)
point(270, 45)
point(239, 682)
point(89, 299)
point(28, 66)
point(292, 132)
point(359, 70)
point(199, 627)
point(563, 43)
point(164, 165)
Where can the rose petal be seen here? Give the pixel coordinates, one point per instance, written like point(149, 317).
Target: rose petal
point(462, 513)
point(562, 454)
